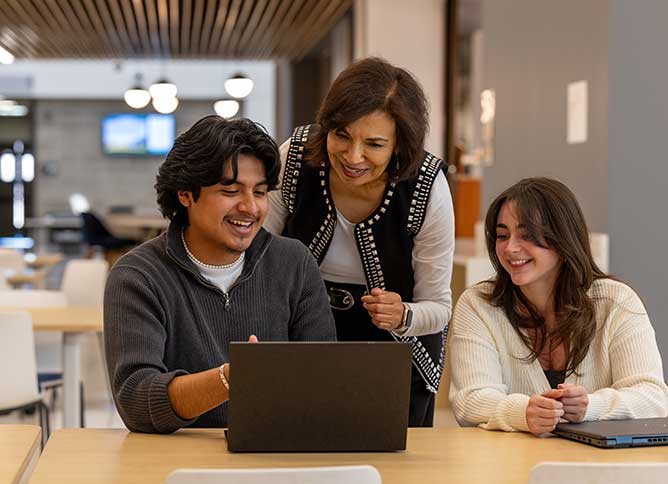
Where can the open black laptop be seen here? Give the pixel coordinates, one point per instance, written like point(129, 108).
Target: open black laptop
point(324, 396)
point(617, 433)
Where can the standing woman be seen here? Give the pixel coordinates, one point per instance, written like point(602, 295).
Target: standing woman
point(551, 337)
point(359, 190)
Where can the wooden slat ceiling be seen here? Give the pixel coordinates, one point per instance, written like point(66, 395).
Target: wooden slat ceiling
point(221, 29)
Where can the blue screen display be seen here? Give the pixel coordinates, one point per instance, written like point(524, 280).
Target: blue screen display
point(138, 134)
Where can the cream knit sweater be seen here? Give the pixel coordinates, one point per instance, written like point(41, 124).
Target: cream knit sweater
point(491, 385)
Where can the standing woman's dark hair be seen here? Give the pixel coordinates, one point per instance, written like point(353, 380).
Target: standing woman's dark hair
point(552, 219)
point(369, 85)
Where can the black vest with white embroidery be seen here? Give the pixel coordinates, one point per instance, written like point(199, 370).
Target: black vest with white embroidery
point(384, 239)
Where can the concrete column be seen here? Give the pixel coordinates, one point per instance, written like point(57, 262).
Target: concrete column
point(410, 35)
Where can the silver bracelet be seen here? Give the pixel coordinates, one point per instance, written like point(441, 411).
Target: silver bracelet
point(222, 377)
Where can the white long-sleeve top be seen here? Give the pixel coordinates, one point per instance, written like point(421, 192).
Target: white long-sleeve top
point(432, 255)
point(490, 384)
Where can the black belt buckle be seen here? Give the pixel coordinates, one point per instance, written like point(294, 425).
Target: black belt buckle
point(340, 299)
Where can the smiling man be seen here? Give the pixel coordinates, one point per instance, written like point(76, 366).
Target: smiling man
point(173, 304)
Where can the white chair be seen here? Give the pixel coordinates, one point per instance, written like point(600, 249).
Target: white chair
point(84, 280)
point(48, 344)
point(83, 284)
point(600, 250)
point(303, 475)
point(18, 368)
point(599, 473)
point(11, 262)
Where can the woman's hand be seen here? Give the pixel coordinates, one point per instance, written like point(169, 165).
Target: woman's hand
point(385, 308)
point(544, 411)
point(575, 401)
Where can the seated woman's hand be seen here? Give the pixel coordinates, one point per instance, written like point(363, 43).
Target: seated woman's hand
point(543, 412)
point(385, 308)
point(575, 401)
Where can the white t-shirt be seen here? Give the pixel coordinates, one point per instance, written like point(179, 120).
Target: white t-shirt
point(222, 278)
point(342, 262)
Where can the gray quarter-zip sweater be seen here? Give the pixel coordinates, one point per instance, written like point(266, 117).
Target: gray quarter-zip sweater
point(163, 319)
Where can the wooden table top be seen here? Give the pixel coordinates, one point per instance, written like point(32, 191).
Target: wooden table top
point(18, 443)
point(22, 278)
point(452, 455)
point(136, 221)
point(39, 261)
point(76, 319)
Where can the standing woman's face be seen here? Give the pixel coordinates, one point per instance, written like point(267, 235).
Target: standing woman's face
point(360, 153)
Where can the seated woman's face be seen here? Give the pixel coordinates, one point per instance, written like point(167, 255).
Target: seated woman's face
point(530, 266)
point(360, 152)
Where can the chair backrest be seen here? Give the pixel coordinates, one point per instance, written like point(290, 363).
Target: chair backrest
point(599, 473)
point(304, 475)
point(600, 249)
point(94, 230)
point(11, 261)
point(84, 280)
point(18, 369)
point(48, 345)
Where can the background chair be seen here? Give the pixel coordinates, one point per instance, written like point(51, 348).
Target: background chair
point(302, 475)
point(95, 233)
point(11, 263)
point(11, 260)
point(48, 344)
point(600, 249)
point(96, 236)
point(83, 282)
point(18, 369)
point(599, 473)
point(83, 285)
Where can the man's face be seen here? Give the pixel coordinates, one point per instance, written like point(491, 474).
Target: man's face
point(226, 217)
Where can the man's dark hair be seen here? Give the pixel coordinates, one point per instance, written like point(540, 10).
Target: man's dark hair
point(199, 157)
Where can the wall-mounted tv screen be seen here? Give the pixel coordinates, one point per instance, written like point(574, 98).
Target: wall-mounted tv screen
point(138, 134)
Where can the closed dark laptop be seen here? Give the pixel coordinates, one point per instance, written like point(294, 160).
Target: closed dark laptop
point(618, 433)
point(316, 397)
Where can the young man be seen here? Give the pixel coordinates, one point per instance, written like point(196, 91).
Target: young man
point(173, 304)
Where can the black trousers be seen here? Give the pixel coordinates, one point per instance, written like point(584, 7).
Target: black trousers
point(353, 323)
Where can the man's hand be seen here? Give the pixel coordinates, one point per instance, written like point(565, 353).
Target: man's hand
point(544, 411)
point(385, 308)
point(226, 366)
point(575, 400)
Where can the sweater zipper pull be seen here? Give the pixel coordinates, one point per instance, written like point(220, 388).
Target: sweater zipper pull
point(227, 301)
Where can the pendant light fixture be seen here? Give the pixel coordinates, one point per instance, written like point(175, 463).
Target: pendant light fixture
point(137, 97)
point(162, 89)
point(226, 108)
point(165, 105)
point(239, 86)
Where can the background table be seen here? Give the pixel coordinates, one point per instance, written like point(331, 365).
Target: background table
point(445, 455)
point(19, 450)
point(139, 226)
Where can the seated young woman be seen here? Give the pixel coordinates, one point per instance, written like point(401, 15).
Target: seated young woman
point(551, 338)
